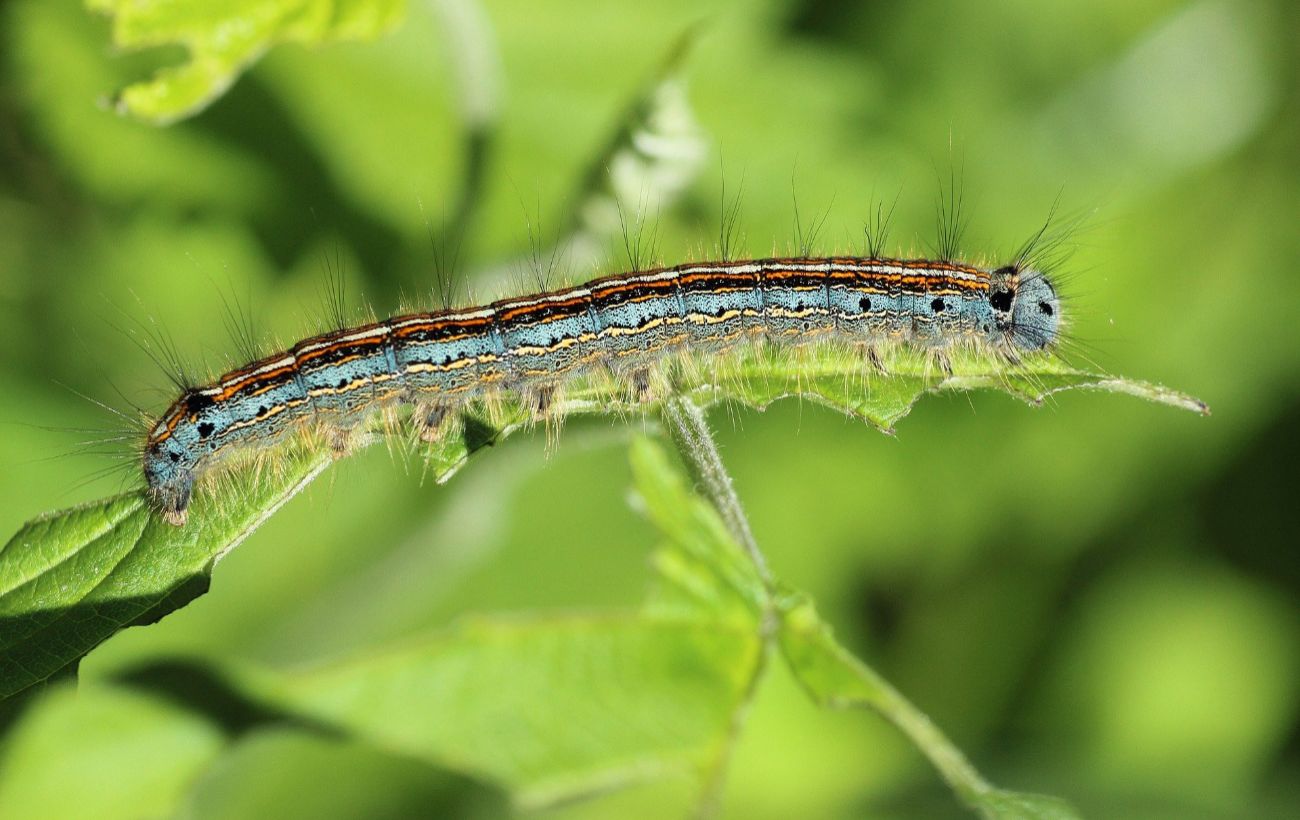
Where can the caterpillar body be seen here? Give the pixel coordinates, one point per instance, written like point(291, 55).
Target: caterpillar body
point(532, 345)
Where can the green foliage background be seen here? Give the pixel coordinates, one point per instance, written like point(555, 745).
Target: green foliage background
point(1096, 600)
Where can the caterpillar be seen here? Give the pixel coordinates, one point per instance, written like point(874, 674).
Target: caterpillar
point(531, 345)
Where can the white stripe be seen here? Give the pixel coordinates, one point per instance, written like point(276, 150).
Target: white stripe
point(266, 368)
point(526, 301)
point(630, 278)
point(873, 267)
point(477, 313)
point(728, 269)
point(352, 337)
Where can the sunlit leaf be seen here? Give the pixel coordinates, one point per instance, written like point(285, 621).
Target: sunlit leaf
point(224, 38)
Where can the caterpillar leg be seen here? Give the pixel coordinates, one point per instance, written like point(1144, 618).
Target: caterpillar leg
point(939, 357)
point(543, 400)
point(640, 384)
point(429, 419)
point(342, 441)
point(876, 362)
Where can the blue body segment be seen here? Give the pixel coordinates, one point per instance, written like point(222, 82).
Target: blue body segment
point(796, 308)
point(549, 342)
point(636, 323)
point(861, 314)
point(444, 360)
point(718, 308)
point(347, 380)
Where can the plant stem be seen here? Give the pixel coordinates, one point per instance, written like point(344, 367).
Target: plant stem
point(689, 430)
point(946, 758)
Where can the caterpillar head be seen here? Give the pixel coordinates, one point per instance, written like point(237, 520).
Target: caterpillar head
point(1026, 308)
point(169, 466)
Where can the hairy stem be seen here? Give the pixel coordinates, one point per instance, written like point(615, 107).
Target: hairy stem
point(690, 432)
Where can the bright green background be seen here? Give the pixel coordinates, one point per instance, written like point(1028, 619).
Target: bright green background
point(1096, 600)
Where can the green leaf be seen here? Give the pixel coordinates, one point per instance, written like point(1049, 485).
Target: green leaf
point(130, 754)
point(841, 379)
point(550, 707)
point(827, 671)
point(71, 579)
point(225, 37)
point(174, 738)
point(834, 678)
point(287, 774)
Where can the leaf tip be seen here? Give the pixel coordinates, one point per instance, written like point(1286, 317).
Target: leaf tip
point(1156, 393)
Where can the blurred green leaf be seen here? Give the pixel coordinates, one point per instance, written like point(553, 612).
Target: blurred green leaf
point(1199, 639)
point(550, 707)
point(163, 741)
point(129, 754)
point(225, 38)
point(70, 580)
point(278, 773)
